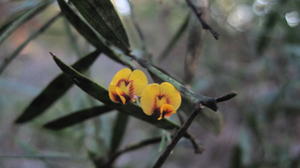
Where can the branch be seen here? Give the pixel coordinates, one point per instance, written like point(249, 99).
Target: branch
point(43, 157)
point(112, 158)
point(199, 13)
point(163, 157)
point(126, 58)
point(164, 54)
point(131, 148)
point(34, 35)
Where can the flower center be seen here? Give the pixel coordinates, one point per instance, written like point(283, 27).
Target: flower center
point(126, 87)
point(161, 100)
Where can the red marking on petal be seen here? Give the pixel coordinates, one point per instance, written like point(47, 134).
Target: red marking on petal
point(131, 90)
point(160, 96)
point(126, 82)
point(127, 97)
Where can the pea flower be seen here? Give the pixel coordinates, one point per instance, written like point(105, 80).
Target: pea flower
point(127, 85)
point(160, 100)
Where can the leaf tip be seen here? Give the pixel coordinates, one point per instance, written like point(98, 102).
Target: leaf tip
point(20, 120)
point(53, 55)
point(226, 97)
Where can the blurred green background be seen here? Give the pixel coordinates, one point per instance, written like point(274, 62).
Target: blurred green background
point(257, 55)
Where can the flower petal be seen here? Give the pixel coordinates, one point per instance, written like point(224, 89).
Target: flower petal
point(148, 98)
point(121, 95)
point(122, 74)
point(113, 95)
point(166, 110)
point(139, 81)
point(172, 94)
point(117, 95)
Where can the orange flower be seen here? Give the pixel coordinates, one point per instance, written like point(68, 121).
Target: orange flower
point(127, 85)
point(160, 100)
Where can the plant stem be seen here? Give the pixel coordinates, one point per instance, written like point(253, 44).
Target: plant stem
point(179, 134)
point(131, 148)
point(164, 54)
point(202, 21)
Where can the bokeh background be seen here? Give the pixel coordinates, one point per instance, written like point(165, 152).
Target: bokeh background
point(257, 56)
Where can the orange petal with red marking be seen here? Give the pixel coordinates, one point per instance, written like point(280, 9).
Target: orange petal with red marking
point(172, 94)
point(166, 110)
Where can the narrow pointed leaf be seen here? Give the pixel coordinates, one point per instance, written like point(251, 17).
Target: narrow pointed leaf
point(34, 35)
point(77, 117)
point(85, 30)
point(55, 89)
point(101, 15)
point(101, 94)
point(79, 24)
point(119, 129)
point(11, 26)
point(109, 14)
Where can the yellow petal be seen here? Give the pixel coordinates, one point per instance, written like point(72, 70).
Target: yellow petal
point(139, 81)
point(172, 94)
point(117, 95)
point(148, 98)
point(121, 95)
point(122, 74)
point(112, 92)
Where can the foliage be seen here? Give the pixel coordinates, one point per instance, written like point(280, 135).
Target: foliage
point(100, 26)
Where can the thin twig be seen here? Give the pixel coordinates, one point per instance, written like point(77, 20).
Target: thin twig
point(131, 148)
point(199, 13)
point(111, 160)
point(198, 149)
point(9, 59)
point(179, 134)
point(137, 26)
point(44, 157)
point(164, 54)
point(23, 19)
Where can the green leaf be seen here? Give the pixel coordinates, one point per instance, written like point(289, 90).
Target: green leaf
point(119, 129)
point(79, 24)
point(101, 94)
point(101, 15)
point(77, 117)
point(34, 35)
point(12, 25)
point(86, 31)
point(55, 89)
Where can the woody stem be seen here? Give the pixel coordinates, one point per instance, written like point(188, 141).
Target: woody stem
point(179, 134)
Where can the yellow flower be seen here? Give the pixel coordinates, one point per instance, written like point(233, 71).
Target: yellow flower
point(127, 85)
point(160, 100)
